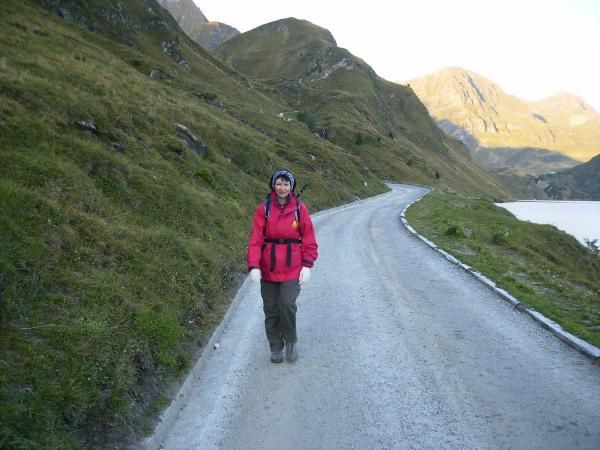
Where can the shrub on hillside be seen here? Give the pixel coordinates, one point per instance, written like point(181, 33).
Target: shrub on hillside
point(305, 117)
point(206, 174)
point(455, 229)
point(500, 236)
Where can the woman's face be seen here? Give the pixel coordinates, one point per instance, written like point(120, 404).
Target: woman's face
point(282, 188)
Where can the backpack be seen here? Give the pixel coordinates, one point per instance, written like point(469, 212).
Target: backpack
point(274, 242)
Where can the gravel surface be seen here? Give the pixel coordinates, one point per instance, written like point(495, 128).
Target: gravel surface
point(398, 348)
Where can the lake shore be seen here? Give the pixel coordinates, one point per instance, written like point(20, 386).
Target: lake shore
point(580, 219)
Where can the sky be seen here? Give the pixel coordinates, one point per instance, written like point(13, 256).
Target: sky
point(530, 48)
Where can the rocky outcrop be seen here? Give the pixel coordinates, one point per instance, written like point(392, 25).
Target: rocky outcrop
point(87, 125)
point(329, 61)
point(171, 48)
point(191, 140)
point(110, 19)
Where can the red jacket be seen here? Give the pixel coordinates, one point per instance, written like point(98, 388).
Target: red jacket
point(296, 245)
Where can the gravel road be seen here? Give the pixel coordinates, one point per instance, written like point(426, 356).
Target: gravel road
point(398, 348)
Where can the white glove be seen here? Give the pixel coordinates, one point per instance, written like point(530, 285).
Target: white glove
point(304, 276)
point(255, 275)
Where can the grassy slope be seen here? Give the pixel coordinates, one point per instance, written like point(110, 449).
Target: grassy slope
point(544, 267)
point(118, 247)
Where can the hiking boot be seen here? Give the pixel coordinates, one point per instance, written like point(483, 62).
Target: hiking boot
point(276, 356)
point(290, 351)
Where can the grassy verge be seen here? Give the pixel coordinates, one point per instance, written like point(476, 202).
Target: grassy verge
point(542, 266)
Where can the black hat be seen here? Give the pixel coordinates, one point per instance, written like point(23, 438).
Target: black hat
point(283, 173)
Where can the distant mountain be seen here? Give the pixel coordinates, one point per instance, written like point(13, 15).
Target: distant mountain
point(476, 111)
point(342, 100)
point(195, 24)
point(185, 12)
point(581, 182)
point(212, 34)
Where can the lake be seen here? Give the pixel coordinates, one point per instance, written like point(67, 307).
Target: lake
point(578, 218)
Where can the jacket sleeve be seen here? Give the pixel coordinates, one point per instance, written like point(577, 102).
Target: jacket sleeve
point(309, 240)
point(255, 242)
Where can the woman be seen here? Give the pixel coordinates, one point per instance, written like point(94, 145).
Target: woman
point(281, 252)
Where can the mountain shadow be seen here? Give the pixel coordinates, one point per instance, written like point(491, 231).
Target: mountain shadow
point(579, 183)
point(526, 160)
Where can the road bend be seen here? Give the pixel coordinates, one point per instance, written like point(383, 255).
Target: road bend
point(398, 348)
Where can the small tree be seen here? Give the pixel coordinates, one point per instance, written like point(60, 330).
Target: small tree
point(593, 245)
point(305, 117)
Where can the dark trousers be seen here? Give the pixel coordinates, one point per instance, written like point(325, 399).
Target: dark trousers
point(279, 305)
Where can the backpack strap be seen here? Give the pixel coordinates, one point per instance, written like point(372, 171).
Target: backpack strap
point(298, 215)
point(267, 210)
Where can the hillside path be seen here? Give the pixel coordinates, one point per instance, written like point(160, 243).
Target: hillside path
point(398, 348)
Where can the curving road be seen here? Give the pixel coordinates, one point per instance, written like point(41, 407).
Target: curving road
point(398, 348)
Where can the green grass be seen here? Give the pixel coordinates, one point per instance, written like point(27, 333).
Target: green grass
point(542, 266)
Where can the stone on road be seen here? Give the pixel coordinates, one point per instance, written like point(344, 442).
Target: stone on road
point(398, 348)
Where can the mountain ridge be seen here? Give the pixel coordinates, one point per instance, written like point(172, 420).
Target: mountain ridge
point(342, 99)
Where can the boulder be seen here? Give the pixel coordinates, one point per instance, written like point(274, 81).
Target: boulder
point(192, 141)
point(86, 125)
